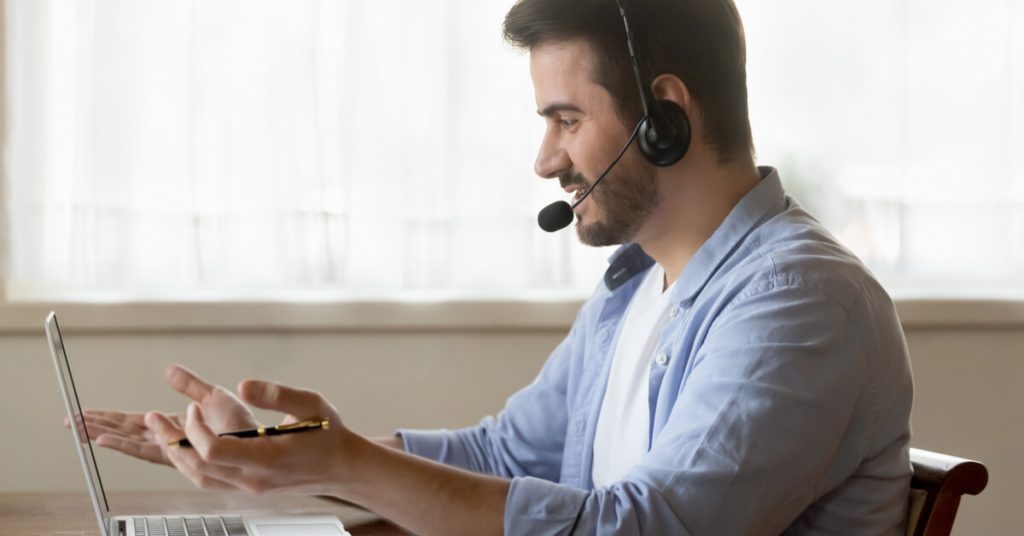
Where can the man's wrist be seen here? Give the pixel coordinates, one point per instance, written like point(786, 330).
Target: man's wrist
point(351, 455)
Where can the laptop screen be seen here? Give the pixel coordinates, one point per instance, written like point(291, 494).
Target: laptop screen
point(79, 434)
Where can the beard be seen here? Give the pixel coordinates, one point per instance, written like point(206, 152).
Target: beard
point(626, 198)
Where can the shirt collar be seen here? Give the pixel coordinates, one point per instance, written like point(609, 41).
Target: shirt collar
point(626, 262)
point(762, 202)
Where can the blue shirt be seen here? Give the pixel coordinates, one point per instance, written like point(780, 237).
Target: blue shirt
point(780, 396)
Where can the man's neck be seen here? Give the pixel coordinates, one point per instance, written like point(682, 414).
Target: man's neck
point(694, 203)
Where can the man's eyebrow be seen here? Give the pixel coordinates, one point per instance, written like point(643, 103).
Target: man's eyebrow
point(554, 108)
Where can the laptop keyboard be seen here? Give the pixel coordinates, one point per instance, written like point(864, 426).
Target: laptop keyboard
point(189, 526)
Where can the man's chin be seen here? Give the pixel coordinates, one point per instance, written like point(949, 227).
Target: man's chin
point(597, 234)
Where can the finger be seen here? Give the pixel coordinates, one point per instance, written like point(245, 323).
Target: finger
point(164, 428)
point(108, 417)
point(79, 430)
point(95, 431)
point(269, 395)
point(79, 421)
point(135, 418)
point(98, 422)
point(210, 447)
point(144, 450)
point(126, 427)
point(187, 462)
point(183, 459)
point(187, 382)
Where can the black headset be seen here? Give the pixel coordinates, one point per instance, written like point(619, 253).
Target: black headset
point(664, 132)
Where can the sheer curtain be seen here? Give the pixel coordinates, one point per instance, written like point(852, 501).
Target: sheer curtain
point(900, 123)
point(166, 148)
point(227, 148)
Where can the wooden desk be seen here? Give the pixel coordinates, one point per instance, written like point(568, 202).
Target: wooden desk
point(71, 514)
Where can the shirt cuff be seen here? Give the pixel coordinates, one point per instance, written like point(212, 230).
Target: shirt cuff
point(536, 506)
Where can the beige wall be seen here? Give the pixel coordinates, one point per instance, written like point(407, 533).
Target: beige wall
point(967, 400)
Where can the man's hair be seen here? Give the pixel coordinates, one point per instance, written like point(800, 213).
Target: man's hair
point(699, 41)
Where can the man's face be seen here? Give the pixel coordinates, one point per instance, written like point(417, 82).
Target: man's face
point(583, 136)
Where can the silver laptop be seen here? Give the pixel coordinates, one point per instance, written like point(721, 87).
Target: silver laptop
point(165, 525)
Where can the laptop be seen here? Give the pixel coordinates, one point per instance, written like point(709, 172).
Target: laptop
point(165, 525)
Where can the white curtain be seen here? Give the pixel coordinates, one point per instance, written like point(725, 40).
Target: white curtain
point(900, 123)
point(219, 148)
point(255, 148)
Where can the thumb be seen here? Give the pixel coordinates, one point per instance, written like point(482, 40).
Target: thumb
point(301, 403)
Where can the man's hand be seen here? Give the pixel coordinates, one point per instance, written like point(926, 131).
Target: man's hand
point(308, 462)
point(128, 432)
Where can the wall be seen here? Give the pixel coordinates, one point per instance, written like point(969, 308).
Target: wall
point(419, 374)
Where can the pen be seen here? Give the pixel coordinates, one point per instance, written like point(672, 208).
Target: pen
point(281, 429)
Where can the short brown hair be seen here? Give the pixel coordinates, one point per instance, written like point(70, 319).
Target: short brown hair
point(699, 41)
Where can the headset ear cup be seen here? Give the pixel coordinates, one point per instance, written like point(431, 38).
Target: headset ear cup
point(663, 150)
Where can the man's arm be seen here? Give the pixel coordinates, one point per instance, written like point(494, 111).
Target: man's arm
point(393, 442)
point(423, 496)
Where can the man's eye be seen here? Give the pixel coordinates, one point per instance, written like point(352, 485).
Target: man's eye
point(568, 123)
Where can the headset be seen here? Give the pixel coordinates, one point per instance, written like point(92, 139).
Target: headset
point(662, 135)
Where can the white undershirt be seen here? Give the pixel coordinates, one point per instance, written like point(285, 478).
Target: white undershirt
point(624, 421)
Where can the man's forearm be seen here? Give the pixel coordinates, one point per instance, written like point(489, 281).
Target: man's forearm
point(421, 495)
point(394, 442)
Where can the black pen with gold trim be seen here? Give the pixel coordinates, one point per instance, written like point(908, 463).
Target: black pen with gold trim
point(281, 429)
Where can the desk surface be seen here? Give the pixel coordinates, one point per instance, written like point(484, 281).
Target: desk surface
point(71, 514)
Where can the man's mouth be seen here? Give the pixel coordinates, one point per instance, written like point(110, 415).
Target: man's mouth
point(577, 191)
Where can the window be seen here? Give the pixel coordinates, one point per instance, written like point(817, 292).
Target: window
point(172, 149)
point(900, 125)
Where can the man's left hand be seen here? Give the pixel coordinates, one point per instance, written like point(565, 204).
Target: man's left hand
point(307, 462)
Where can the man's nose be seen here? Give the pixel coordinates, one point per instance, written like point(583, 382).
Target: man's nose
point(552, 160)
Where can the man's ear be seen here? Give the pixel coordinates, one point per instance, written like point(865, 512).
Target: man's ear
point(670, 87)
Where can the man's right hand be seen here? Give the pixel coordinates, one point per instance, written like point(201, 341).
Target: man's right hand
point(127, 432)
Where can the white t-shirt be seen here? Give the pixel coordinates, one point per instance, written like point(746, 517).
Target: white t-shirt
point(623, 425)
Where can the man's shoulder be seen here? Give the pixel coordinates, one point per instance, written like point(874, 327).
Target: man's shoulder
point(794, 251)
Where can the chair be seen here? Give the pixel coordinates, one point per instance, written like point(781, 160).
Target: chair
point(939, 481)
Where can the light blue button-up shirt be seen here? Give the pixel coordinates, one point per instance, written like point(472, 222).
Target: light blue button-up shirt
point(779, 399)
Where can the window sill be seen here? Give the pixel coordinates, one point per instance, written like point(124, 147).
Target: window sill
point(396, 316)
point(337, 316)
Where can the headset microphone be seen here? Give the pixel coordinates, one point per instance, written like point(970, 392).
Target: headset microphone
point(663, 137)
point(555, 217)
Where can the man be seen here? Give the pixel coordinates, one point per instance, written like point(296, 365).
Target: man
point(737, 371)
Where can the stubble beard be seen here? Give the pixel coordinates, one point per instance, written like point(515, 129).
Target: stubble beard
point(626, 197)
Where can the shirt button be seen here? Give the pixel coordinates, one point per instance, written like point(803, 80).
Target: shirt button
point(674, 312)
point(661, 359)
